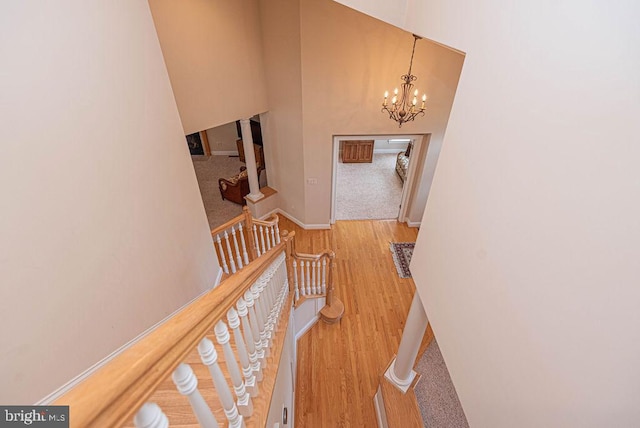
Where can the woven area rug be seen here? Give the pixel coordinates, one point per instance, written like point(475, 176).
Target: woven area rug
point(401, 252)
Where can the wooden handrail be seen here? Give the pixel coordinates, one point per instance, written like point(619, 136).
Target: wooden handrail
point(112, 395)
point(325, 253)
point(227, 225)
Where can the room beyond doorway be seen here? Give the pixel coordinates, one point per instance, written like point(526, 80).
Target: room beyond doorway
point(367, 186)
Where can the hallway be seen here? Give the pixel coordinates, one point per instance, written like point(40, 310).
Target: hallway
point(339, 365)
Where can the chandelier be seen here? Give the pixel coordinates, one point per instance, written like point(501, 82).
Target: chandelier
point(405, 109)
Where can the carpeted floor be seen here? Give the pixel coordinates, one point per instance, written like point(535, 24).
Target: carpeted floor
point(436, 395)
point(368, 191)
point(208, 170)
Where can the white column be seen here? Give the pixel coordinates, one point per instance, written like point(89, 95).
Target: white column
point(250, 160)
point(400, 372)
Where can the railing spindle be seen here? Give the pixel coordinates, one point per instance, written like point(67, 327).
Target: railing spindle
point(308, 281)
point(209, 358)
point(255, 327)
point(324, 275)
point(235, 242)
point(229, 253)
point(187, 385)
point(295, 279)
point(256, 368)
point(244, 246)
point(314, 287)
point(264, 248)
point(245, 362)
point(245, 405)
point(256, 240)
point(222, 258)
point(150, 416)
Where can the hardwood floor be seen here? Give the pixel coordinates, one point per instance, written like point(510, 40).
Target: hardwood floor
point(339, 365)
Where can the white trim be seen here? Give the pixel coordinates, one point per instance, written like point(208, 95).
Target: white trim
point(388, 150)
point(306, 328)
point(381, 414)
point(413, 223)
point(410, 178)
point(402, 384)
point(301, 224)
point(225, 153)
point(91, 370)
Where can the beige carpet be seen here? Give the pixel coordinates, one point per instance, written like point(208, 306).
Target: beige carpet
point(208, 170)
point(368, 191)
point(436, 395)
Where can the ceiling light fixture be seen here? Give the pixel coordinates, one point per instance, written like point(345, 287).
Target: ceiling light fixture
point(405, 109)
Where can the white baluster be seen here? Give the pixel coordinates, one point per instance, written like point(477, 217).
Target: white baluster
point(187, 385)
point(248, 334)
point(314, 287)
point(324, 275)
point(209, 358)
point(261, 318)
point(303, 287)
point(273, 235)
point(245, 362)
point(235, 242)
point(256, 240)
point(255, 327)
point(277, 234)
point(264, 248)
point(222, 258)
point(244, 246)
point(295, 280)
point(245, 405)
point(150, 416)
point(308, 282)
point(231, 262)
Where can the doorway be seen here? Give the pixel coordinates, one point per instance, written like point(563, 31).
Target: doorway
point(374, 187)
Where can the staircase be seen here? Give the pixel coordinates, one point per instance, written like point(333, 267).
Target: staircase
point(219, 361)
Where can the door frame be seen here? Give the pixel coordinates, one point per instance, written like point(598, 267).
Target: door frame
point(407, 187)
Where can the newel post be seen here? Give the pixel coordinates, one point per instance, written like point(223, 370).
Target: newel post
point(334, 308)
point(289, 251)
point(248, 221)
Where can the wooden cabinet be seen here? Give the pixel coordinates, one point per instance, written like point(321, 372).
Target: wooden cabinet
point(357, 151)
point(257, 150)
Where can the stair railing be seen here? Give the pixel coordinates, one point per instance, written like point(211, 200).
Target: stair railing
point(253, 304)
point(243, 239)
point(311, 275)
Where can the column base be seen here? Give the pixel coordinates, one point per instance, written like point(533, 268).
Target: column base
point(402, 384)
point(253, 197)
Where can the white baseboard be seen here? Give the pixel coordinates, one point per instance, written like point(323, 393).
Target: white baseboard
point(306, 328)
point(225, 153)
point(91, 370)
point(381, 414)
point(413, 223)
point(301, 224)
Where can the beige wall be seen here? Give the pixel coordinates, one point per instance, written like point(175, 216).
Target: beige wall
point(223, 138)
point(213, 53)
point(527, 259)
point(103, 229)
point(348, 61)
point(282, 125)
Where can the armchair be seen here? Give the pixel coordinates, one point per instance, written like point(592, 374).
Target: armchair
point(236, 188)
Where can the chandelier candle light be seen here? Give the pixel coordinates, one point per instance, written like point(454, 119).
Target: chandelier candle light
point(405, 109)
